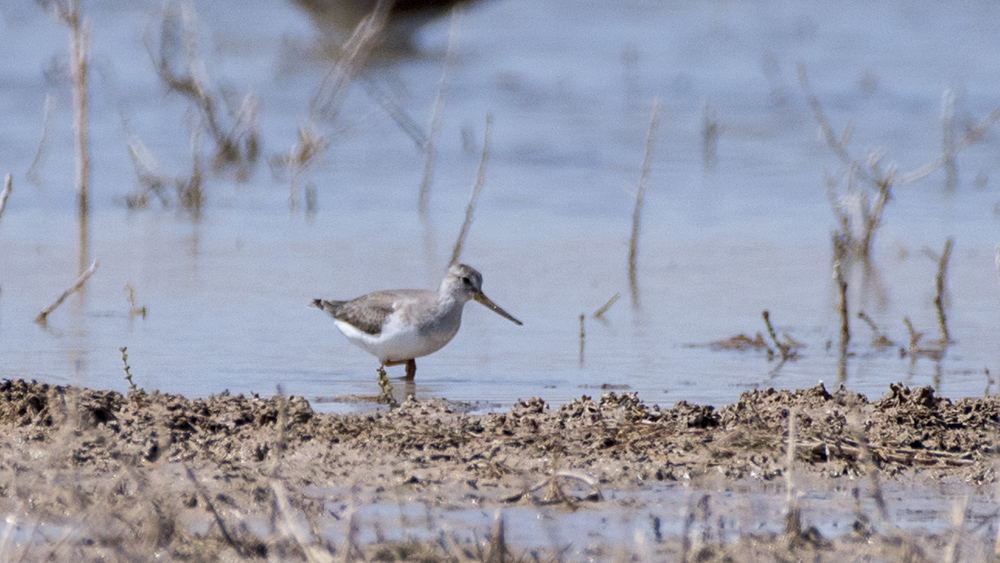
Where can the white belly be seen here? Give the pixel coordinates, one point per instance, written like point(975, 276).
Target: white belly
point(397, 341)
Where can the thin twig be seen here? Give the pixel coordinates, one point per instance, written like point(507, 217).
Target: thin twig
point(236, 140)
point(43, 316)
point(132, 309)
point(958, 510)
point(785, 349)
point(329, 97)
point(582, 336)
point(914, 335)
point(215, 513)
point(880, 339)
point(436, 116)
point(599, 314)
point(633, 249)
point(793, 515)
point(948, 139)
point(498, 540)
point(972, 135)
point(939, 297)
point(80, 55)
point(288, 525)
point(43, 143)
point(395, 111)
point(471, 208)
point(845, 326)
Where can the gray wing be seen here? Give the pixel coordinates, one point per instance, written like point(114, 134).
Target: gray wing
point(368, 312)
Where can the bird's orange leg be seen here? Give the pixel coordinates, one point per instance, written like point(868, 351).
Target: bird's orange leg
point(411, 367)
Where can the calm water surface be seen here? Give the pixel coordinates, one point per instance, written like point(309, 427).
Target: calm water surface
point(570, 87)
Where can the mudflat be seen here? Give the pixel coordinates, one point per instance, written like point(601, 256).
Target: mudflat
point(97, 475)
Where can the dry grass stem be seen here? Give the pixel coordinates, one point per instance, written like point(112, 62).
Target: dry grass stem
point(43, 144)
point(395, 111)
point(151, 180)
point(437, 115)
point(182, 70)
point(879, 339)
point(941, 289)
point(845, 326)
point(79, 55)
point(599, 314)
point(786, 348)
point(633, 248)
point(871, 470)
point(133, 311)
point(67, 12)
point(555, 493)
point(304, 156)
point(871, 173)
point(8, 187)
point(582, 336)
point(471, 208)
point(77, 286)
point(498, 541)
point(215, 513)
point(288, 526)
point(948, 139)
point(793, 513)
point(326, 102)
point(972, 136)
point(958, 512)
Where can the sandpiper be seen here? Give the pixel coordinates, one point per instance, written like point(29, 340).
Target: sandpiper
point(399, 325)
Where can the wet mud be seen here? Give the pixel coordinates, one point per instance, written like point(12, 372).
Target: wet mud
point(89, 474)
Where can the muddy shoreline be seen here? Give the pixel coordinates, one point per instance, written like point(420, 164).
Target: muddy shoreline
point(147, 473)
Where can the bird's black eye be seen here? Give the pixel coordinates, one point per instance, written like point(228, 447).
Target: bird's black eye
point(466, 280)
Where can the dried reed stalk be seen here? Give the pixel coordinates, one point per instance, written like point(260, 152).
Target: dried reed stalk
point(939, 296)
point(290, 527)
point(77, 286)
point(79, 55)
point(599, 314)
point(471, 208)
point(43, 143)
point(67, 12)
point(842, 307)
point(948, 139)
point(326, 102)
point(215, 513)
point(436, 116)
point(793, 514)
point(633, 248)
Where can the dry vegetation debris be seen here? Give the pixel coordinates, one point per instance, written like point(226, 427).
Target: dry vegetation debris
point(188, 476)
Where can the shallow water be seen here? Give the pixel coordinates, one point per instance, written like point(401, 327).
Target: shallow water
point(632, 521)
point(570, 87)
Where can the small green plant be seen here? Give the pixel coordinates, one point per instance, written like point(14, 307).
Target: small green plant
point(385, 396)
point(128, 370)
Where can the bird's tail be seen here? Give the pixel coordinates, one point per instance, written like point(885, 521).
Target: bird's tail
point(328, 306)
